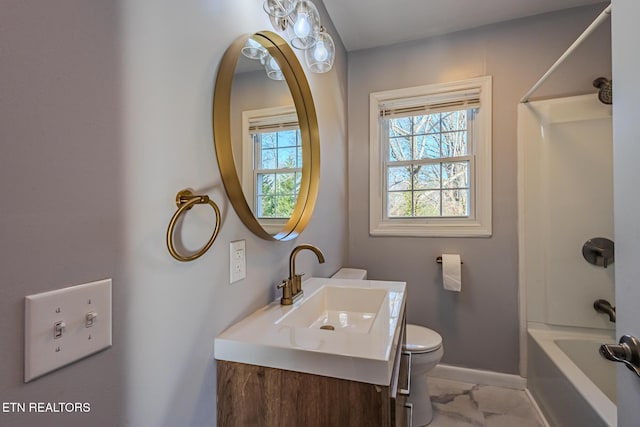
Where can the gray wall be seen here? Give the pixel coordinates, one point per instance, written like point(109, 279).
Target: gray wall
point(62, 174)
point(480, 325)
point(105, 113)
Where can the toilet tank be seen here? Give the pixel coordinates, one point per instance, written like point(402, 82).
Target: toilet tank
point(350, 273)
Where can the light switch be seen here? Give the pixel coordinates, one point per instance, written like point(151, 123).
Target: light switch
point(90, 319)
point(66, 325)
point(58, 329)
point(237, 264)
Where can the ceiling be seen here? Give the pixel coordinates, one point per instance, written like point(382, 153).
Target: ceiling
point(363, 24)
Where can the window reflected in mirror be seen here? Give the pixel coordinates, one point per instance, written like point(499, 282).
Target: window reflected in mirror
point(272, 163)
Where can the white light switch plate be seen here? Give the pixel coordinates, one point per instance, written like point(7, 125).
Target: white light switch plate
point(66, 325)
point(238, 261)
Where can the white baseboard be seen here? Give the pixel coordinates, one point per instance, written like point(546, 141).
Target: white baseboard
point(476, 376)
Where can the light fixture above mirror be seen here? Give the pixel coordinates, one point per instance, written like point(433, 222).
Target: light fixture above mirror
point(299, 20)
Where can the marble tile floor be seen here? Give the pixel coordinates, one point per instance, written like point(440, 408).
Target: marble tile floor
point(459, 404)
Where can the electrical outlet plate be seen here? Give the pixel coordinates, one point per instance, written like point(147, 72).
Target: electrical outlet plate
point(66, 325)
point(237, 258)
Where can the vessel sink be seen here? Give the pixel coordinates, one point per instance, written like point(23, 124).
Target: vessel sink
point(339, 328)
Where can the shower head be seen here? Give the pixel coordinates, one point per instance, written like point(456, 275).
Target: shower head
point(605, 94)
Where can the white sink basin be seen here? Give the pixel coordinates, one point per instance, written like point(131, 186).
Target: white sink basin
point(337, 308)
point(340, 328)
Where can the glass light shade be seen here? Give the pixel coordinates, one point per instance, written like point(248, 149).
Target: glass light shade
point(304, 25)
point(254, 50)
point(272, 68)
point(320, 56)
point(278, 8)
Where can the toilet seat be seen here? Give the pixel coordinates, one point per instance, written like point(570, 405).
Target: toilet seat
point(421, 339)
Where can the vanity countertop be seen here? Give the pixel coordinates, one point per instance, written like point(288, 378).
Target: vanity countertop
point(360, 347)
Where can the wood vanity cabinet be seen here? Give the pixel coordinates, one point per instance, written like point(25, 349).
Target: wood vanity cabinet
point(259, 396)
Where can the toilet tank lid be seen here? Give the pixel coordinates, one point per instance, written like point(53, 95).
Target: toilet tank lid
point(350, 273)
point(421, 339)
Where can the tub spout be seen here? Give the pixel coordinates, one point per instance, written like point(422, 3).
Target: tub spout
point(604, 306)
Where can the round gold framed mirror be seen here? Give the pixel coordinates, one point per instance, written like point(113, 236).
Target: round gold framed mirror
point(266, 136)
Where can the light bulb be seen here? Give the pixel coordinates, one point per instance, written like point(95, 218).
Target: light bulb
point(302, 28)
point(320, 56)
point(253, 50)
point(320, 52)
point(273, 70)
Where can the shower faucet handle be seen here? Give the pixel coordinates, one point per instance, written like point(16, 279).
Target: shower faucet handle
point(627, 352)
point(599, 251)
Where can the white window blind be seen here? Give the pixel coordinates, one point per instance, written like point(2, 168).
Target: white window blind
point(441, 103)
point(273, 123)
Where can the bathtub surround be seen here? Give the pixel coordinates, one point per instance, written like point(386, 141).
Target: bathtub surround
point(484, 316)
point(558, 139)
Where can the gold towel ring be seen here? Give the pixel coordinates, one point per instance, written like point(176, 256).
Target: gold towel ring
point(185, 200)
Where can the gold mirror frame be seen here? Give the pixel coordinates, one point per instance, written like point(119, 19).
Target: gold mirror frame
point(303, 101)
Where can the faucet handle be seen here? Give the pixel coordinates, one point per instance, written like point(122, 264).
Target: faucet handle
point(287, 294)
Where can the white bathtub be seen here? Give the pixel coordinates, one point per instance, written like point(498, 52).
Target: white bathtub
point(570, 381)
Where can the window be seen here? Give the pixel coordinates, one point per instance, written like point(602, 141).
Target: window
point(430, 160)
point(272, 168)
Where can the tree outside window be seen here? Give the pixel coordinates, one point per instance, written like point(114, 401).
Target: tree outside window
point(428, 165)
point(278, 171)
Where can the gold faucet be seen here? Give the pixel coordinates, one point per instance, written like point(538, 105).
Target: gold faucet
point(292, 287)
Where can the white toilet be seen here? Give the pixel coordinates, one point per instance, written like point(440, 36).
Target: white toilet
point(425, 346)
point(426, 351)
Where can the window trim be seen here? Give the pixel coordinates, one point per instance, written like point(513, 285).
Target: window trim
point(480, 225)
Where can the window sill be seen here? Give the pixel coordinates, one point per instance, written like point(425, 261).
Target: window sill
point(449, 229)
